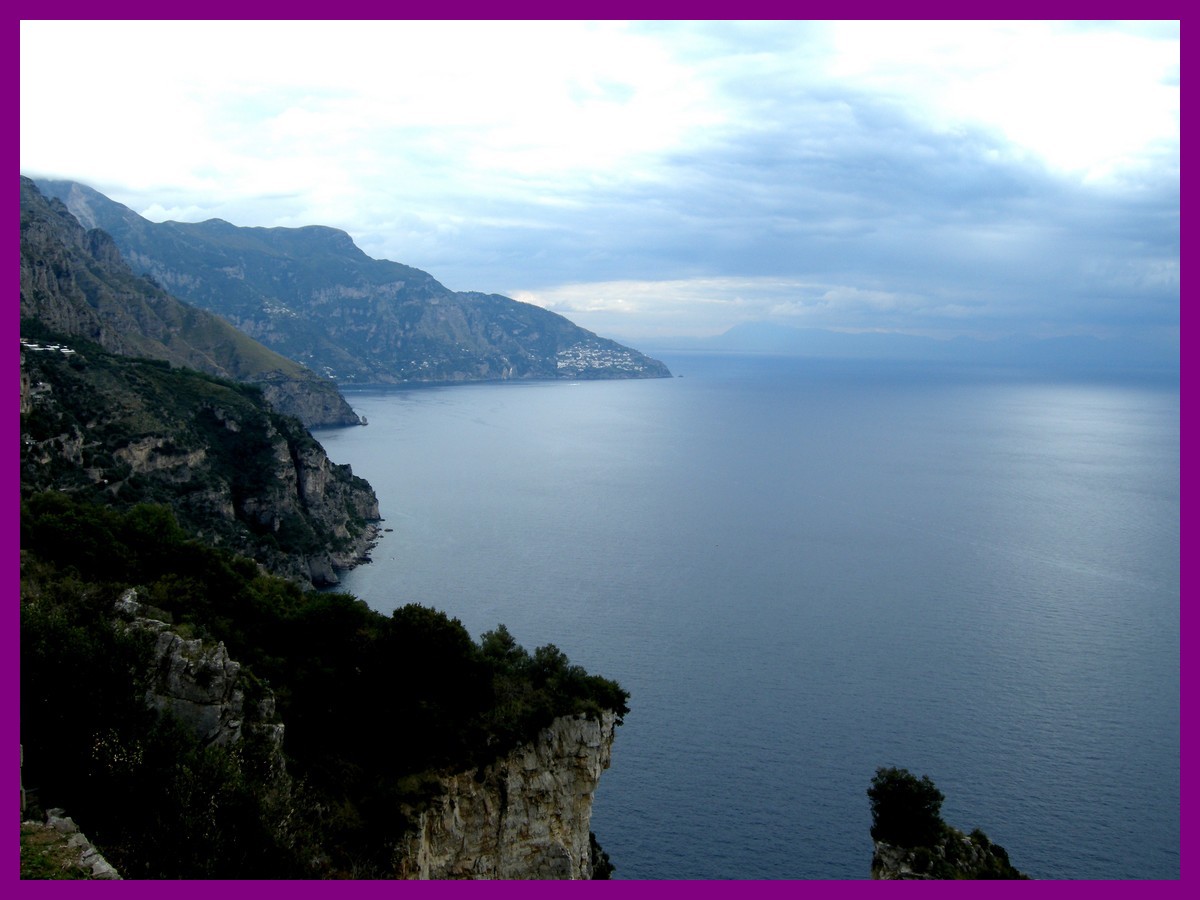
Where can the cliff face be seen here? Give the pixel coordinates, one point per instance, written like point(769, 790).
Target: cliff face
point(196, 682)
point(235, 472)
point(75, 282)
point(526, 816)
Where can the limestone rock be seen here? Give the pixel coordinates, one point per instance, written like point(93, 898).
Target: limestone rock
point(526, 816)
point(236, 473)
point(197, 683)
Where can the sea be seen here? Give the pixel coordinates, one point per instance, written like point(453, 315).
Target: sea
point(803, 570)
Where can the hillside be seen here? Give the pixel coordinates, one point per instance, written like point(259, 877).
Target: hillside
point(197, 707)
point(122, 431)
point(202, 720)
point(75, 283)
point(312, 295)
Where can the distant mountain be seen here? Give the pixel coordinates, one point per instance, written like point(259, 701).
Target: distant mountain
point(312, 295)
point(75, 282)
point(1062, 352)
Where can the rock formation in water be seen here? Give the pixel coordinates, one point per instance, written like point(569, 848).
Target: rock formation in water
point(912, 842)
point(956, 856)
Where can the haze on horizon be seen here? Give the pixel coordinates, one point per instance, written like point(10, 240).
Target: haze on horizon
point(663, 179)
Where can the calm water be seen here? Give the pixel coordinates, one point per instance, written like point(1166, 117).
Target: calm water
point(803, 571)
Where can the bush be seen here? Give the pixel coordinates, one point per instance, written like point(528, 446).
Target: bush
point(905, 810)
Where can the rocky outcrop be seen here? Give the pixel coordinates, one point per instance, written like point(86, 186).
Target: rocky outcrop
point(197, 683)
point(526, 816)
point(315, 406)
point(303, 484)
point(956, 856)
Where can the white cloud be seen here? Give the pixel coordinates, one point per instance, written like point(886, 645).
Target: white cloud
point(644, 177)
point(1089, 101)
point(700, 307)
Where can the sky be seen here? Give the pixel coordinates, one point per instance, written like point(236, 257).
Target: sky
point(658, 179)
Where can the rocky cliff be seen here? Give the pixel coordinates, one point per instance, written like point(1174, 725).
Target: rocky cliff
point(913, 842)
point(197, 683)
point(236, 473)
point(75, 283)
point(312, 295)
point(486, 770)
point(525, 816)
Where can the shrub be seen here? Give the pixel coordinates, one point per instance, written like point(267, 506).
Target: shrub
point(905, 810)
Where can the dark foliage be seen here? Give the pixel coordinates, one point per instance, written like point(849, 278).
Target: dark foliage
point(216, 446)
point(906, 813)
point(905, 810)
point(375, 706)
point(602, 867)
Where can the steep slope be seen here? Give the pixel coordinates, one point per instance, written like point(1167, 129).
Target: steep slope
point(125, 431)
point(526, 815)
point(315, 297)
point(204, 721)
point(75, 282)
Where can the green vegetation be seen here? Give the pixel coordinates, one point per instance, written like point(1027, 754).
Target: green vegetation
point(123, 431)
point(140, 473)
point(905, 810)
point(315, 297)
point(78, 282)
point(906, 814)
point(376, 706)
point(45, 854)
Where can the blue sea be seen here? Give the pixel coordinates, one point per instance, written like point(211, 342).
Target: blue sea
point(803, 570)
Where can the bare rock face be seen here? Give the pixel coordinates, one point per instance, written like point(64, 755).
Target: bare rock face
point(526, 816)
point(196, 682)
point(234, 471)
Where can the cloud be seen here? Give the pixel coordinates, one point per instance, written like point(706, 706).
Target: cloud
point(666, 177)
point(711, 305)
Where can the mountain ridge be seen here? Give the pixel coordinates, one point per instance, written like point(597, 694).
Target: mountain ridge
point(313, 295)
point(75, 282)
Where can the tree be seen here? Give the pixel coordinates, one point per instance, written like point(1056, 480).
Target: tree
point(905, 810)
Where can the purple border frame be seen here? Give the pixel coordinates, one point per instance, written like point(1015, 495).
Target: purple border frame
point(541, 9)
